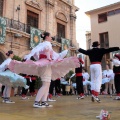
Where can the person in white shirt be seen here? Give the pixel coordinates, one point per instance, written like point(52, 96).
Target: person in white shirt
point(9, 79)
point(85, 81)
point(108, 78)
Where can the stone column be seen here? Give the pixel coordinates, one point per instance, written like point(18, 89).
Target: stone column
point(49, 15)
point(73, 27)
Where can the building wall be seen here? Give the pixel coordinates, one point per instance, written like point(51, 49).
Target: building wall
point(50, 12)
point(112, 26)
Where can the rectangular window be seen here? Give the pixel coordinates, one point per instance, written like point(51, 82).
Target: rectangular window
point(117, 11)
point(60, 31)
point(1, 7)
point(102, 17)
point(32, 19)
point(111, 13)
point(104, 40)
point(104, 43)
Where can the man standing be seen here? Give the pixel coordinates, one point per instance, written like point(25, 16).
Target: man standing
point(79, 80)
point(95, 55)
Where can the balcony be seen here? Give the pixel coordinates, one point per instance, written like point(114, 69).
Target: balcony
point(10, 23)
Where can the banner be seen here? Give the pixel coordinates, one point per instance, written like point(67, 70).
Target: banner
point(2, 30)
point(65, 45)
point(35, 38)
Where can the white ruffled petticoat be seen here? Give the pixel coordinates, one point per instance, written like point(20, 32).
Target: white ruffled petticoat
point(59, 67)
point(12, 79)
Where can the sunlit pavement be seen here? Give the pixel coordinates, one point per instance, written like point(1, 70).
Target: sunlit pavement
point(65, 108)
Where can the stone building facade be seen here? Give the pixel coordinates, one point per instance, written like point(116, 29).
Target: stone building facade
point(55, 16)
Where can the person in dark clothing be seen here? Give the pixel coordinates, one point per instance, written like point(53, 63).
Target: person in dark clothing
point(116, 70)
point(51, 89)
point(31, 83)
point(57, 87)
point(79, 80)
point(2, 89)
point(24, 91)
point(54, 84)
point(95, 55)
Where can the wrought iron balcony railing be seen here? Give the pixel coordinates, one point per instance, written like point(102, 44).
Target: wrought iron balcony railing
point(18, 25)
point(25, 28)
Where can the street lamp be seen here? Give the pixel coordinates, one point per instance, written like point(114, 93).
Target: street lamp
point(18, 10)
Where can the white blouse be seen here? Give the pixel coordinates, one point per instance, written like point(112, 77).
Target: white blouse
point(108, 73)
point(85, 76)
point(46, 49)
point(116, 62)
point(5, 64)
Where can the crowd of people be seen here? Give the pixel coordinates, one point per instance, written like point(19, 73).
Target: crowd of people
point(51, 67)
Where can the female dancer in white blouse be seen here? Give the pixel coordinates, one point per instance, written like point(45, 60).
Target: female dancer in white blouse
point(48, 65)
point(9, 78)
point(85, 81)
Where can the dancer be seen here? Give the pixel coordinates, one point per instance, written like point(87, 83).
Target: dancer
point(54, 84)
point(85, 81)
point(24, 91)
point(116, 70)
point(108, 78)
point(31, 83)
point(95, 55)
point(51, 89)
point(9, 78)
point(46, 67)
point(79, 80)
point(2, 89)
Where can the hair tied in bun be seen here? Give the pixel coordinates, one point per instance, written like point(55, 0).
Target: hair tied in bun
point(7, 54)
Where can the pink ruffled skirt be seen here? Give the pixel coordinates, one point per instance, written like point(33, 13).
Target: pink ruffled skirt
point(59, 68)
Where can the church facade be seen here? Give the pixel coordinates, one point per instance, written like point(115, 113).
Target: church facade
point(22, 22)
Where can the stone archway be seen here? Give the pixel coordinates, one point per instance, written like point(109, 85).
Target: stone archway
point(2, 57)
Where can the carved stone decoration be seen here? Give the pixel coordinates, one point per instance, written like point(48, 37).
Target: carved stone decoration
point(60, 15)
point(33, 3)
point(50, 2)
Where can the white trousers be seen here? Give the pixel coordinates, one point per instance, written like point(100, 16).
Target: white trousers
point(96, 77)
point(45, 74)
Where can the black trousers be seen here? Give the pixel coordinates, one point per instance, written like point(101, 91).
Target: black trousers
point(3, 87)
point(52, 85)
point(55, 84)
point(32, 86)
point(117, 83)
point(24, 91)
point(79, 84)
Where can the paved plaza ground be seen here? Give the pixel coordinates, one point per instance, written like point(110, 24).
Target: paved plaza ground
point(65, 108)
